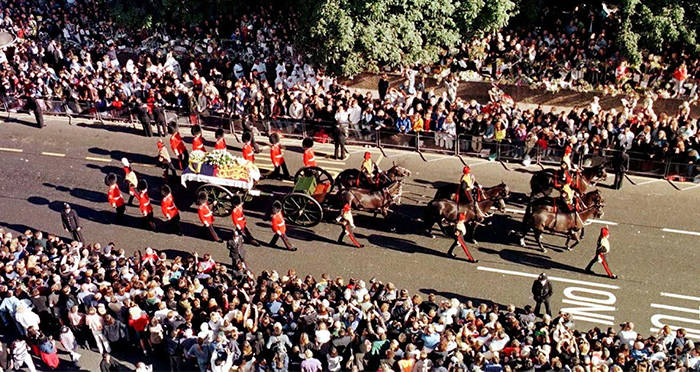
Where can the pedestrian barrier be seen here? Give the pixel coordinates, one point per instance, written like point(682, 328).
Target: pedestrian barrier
point(364, 135)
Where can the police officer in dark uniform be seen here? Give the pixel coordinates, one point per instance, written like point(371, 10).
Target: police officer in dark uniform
point(542, 292)
point(621, 163)
point(71, 222)
point(235, 249)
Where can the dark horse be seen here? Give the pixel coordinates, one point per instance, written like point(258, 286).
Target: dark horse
point(348, 178)
point(542, 182)
point(543, 215)
point(376, 201)
point(445, 211)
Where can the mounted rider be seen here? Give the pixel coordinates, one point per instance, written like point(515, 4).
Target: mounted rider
point(369, 170)
point(468, 187)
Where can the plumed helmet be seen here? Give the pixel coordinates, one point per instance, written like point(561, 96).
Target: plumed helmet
point(125, 162)
point(604, 232)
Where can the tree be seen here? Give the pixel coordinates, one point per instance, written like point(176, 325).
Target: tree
point(349, 36)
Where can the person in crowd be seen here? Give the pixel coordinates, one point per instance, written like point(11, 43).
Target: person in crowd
point(71, 222)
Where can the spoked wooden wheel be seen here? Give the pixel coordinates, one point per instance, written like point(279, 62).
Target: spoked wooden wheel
point(301, 209)
point(321, 175)
point(219, 198)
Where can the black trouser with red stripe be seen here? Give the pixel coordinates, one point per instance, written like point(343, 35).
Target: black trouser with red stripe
point(247, 235)
point(603, 260)
point(287, 244)
point(459, 240)
point(347, 230)
point(276, 172)
point(212, 233)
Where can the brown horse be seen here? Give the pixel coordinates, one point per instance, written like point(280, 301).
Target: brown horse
point(445, 211)
point(376, 201)
point(542, 182)
point(543, 215)
point(348, 178)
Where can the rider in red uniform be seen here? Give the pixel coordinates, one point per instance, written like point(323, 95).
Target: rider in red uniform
point(309, 158)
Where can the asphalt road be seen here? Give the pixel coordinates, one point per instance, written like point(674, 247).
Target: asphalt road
point(655, 232)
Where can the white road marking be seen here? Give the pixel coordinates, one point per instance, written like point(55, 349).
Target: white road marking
point(604, 222)
point(648, 182)
point(518, 211)
point(681, 231)
point(691, 187)
point(552, 278)
point(106, 160)
point(10, 150)
point(676, 308)
point(53, 154)
point(682, 297)
point(593, 320)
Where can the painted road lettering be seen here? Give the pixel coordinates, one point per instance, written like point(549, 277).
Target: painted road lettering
point(683, 313)
point(592, 305)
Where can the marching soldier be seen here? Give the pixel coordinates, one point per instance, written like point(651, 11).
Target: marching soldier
point(279, 227)
point(170, 212)
point(206, 216)
point(601, 253)
point(197, 141)
point(71, 222)
point(309, 158)
point(248, 149)
point(145, 206)
point(369, 169)
point(220, 141)
point(460, 231)
point(130, 178)
point(239, 221)
point(348, 224)
point(178, 146)
point(277, 157)
point(467, 186)
point(114, 196)
point(164, 161)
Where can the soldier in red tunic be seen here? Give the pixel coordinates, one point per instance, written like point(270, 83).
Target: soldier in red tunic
point(279, 227)
point(145, 206)
point(170, 212)
point(114, 196)
point(601, 253)
point(197, 141)
point(348, 223)
point(460, 231)
point(239, 221)
point(178, 146)
point(220, 141)
point(309, 158)
point(130, 178)
point(248, 149)
point(206, 216)
point(277, 158)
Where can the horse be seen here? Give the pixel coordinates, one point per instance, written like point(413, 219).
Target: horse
point(542, 182)
point(376, 201)
point(549, 214)
point(446, 211)
point(348, 178)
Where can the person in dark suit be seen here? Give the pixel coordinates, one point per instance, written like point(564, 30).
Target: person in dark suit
point(383, 87)
point(621, 163)
point(541, 292)
point(71, 222)
point(34, 105)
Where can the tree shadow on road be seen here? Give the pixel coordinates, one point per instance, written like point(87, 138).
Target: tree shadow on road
point(84, 212)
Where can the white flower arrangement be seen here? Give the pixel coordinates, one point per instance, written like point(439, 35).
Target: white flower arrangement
point(220, 158)
point(197, 156)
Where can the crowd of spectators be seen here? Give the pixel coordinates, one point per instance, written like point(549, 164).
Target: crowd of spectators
point(191, 312)
point(247, 67)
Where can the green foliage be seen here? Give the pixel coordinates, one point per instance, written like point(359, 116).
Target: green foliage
point(129, 17)
point(349, 36)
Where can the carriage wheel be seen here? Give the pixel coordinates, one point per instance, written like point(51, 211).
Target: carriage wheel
point(321, 175)
point(221, 195)
point(301, 209)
